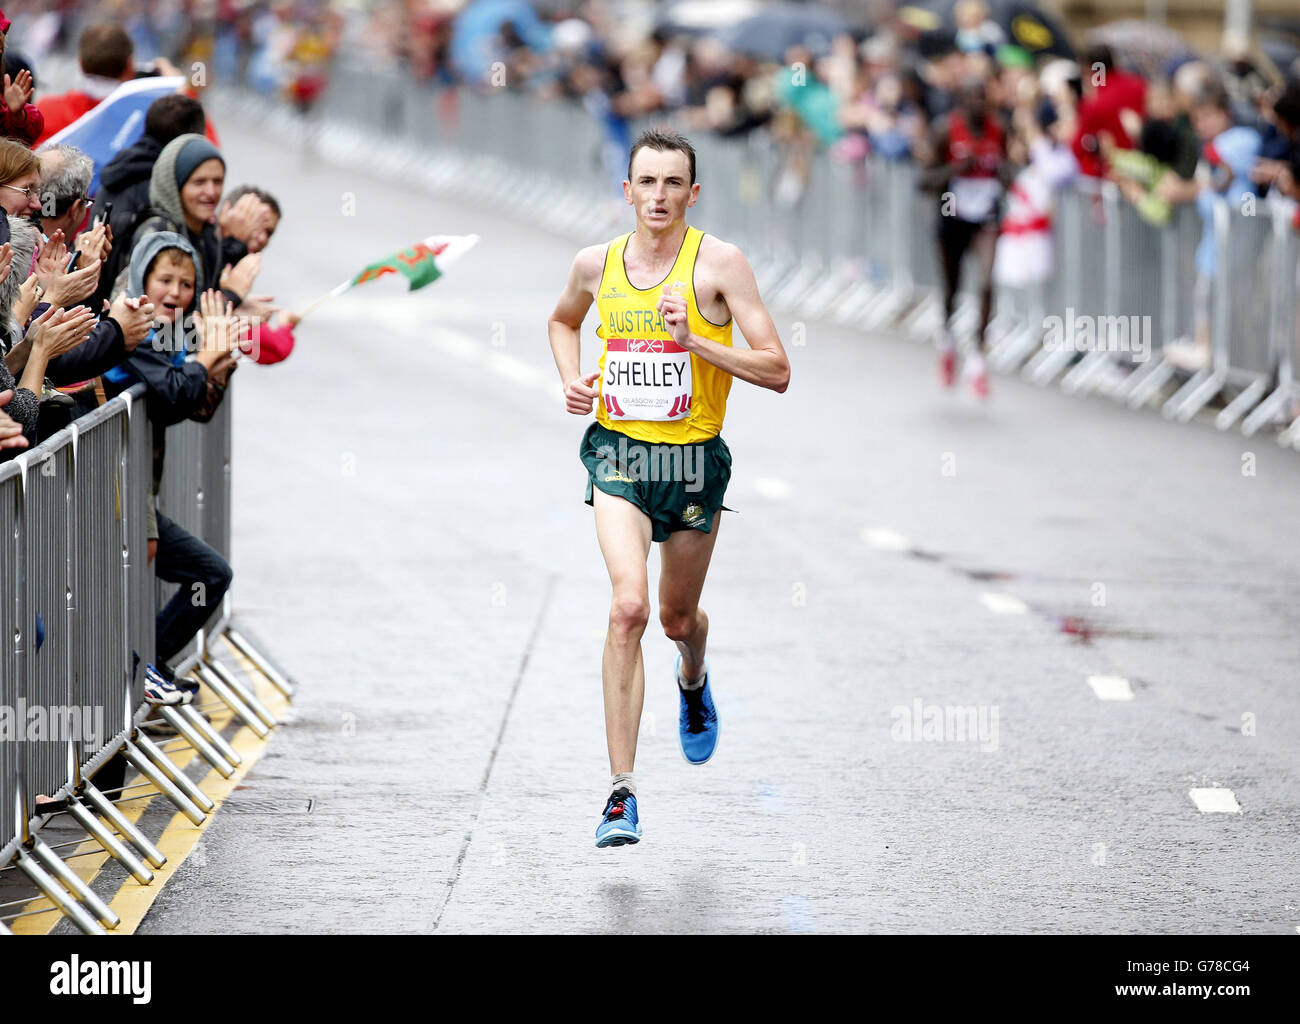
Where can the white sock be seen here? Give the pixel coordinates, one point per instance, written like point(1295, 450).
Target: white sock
point(623, 780)
point(687, 684)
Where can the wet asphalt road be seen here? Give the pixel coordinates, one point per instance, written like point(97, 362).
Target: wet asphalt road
point(411, 544)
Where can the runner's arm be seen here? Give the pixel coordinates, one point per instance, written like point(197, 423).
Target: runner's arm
point(935, 171)
point(571, 309)
point(764, 363)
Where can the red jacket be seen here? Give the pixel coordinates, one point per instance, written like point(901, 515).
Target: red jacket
point(25, 130)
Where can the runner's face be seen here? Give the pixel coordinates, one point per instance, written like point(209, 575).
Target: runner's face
point(660, 188)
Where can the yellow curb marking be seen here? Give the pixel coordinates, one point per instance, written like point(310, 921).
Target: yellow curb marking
point(179, 838)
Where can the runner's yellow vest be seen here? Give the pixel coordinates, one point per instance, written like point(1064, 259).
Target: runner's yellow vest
point(650, 389)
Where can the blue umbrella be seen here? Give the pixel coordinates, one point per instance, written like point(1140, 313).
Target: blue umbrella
point(475, 29)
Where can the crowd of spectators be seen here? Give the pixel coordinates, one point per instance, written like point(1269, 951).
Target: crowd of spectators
point(158, 293)
point(1183, 129)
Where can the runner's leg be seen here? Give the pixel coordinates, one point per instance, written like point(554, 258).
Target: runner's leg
point(985, 245)
point(952, 247)
point(684, 560)
point(623, 532)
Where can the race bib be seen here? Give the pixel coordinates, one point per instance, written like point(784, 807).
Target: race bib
point(975, 199)
point(646, 379)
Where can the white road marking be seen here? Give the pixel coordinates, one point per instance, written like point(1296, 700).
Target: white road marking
point(1215, 801)
point(462, 346)
point(885, 540)
point(1111, 687)
point(1003, 604)
point(770, 487)
point(518, 371)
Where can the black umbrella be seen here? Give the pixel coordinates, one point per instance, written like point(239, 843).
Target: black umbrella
point(1025, 25)
point(770, 32)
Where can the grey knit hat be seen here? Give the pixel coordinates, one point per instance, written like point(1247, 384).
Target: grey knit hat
point(183, 154)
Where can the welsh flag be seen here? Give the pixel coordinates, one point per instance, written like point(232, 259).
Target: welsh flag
point(421, 264)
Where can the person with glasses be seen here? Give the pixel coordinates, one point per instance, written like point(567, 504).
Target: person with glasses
point(65, 181)
point(20, 179)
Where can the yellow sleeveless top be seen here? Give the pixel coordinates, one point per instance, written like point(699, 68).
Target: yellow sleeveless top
point(651, 389)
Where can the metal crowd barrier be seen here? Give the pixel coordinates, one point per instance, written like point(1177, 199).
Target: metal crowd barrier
point(78, 630)
point(856, 242)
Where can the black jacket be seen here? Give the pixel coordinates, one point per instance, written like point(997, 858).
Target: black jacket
point(174, 393)
point(124, 182)
point(104, 349)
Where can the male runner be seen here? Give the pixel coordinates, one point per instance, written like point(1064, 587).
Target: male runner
point(969, 164)
point(666, 295)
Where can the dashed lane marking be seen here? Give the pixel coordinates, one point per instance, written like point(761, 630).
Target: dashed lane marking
point(1003, 604)
point(1111, 687)
point(1217, 800)
point(885, 540)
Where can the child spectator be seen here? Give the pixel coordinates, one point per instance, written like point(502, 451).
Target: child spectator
point(164, 267)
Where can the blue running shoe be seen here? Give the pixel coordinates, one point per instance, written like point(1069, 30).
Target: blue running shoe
point(697, 726)
point(619, 825)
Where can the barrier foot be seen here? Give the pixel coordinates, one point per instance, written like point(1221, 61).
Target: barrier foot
point(1145, 382)
point(791, 295)
point(164, 785)
point(849, 309)
point(879, 314)
point(1044, 367)
point(1015, 348)
point(115, 847)
point(1266, 412)
point(925, 319)
point(1081, 375)
point(244, 693)
point(1291, 436)
point(232, 699)
point(1240, 405)
point(182, 781)
point(1192, 396)
point(203, 738)
point(84, 893)
point(826, 296)
point(58, 895)
point(240, 643)
point(108, 810)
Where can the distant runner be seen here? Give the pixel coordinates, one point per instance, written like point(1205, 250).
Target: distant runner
point(969, 164)
point(666, 295)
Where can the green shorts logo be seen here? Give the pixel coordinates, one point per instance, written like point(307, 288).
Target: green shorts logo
point(692, 514)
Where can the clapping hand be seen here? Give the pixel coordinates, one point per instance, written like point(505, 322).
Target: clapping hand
point(217, 324)
point(134, 316)
point(57, 331)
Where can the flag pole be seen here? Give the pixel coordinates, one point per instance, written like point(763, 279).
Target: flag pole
point(317, 303)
